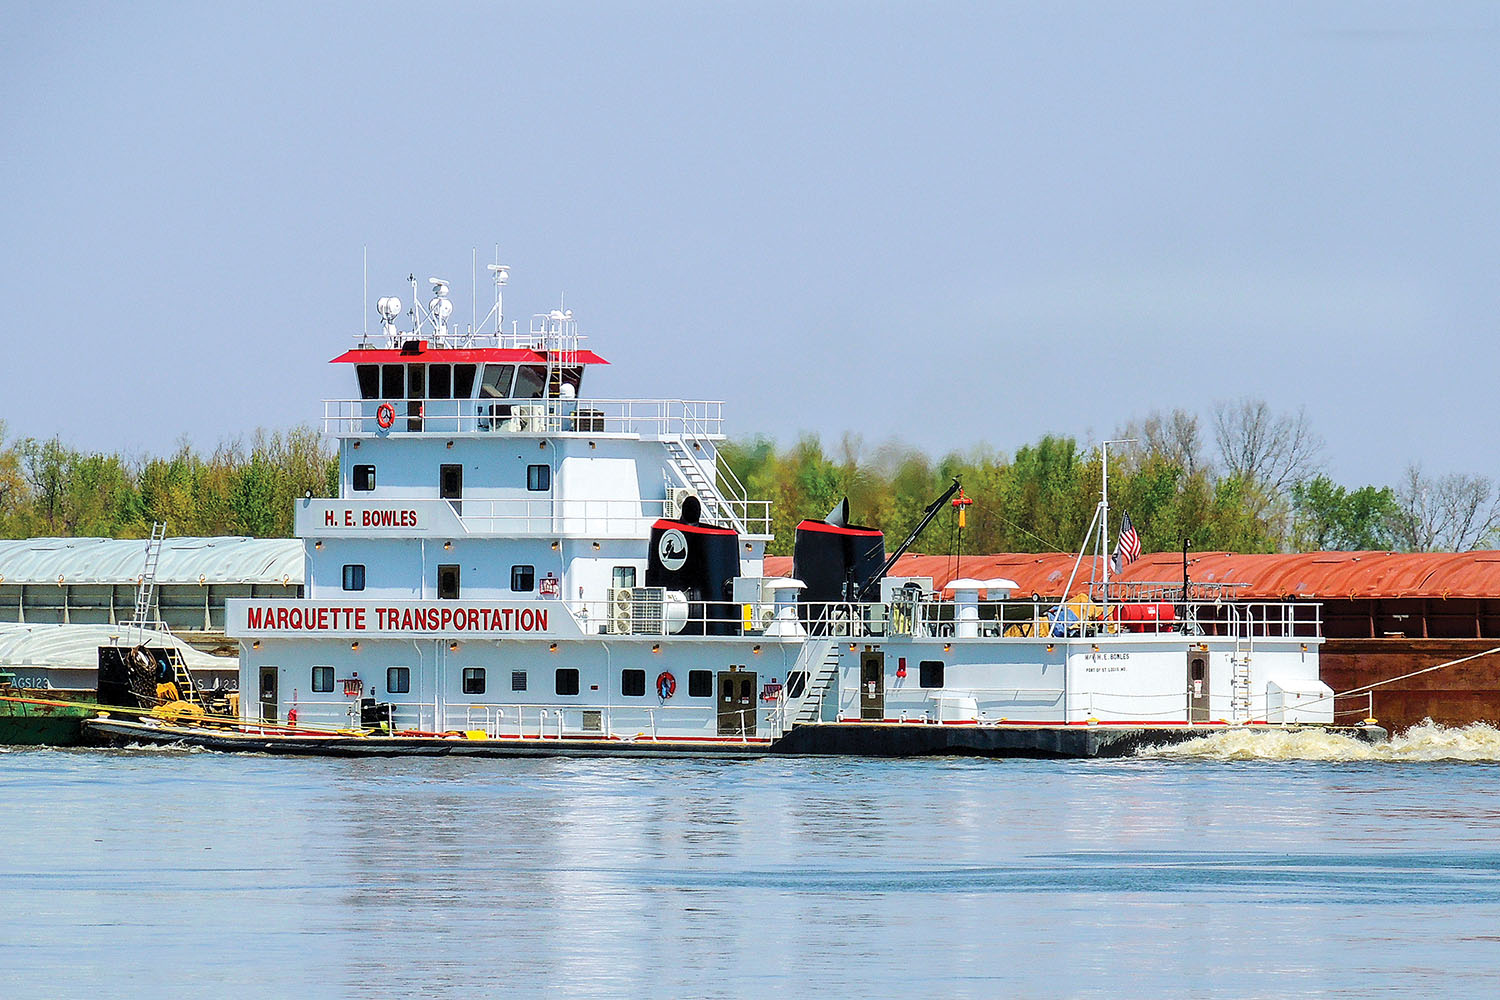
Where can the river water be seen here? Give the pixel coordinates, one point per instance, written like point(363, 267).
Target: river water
point(1311, 867)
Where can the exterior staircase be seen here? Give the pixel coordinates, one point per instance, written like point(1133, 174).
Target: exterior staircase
point(819, 662)
point(701, 481)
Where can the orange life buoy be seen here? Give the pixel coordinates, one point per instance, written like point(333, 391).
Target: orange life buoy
point(666, 685)
point(385, 415)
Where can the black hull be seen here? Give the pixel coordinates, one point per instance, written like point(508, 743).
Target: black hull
point(830, 739)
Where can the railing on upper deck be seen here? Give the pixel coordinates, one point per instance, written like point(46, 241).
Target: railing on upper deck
point(691, 419)
point(650, 614)
point(605, 518)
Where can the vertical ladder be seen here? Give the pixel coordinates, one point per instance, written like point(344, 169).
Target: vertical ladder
point(146, 592)
point(1240, 662)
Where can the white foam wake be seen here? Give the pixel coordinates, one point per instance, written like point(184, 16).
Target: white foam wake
point(1425, 742)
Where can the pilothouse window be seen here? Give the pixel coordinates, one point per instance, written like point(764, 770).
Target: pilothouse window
point(369, 381)
point(530, 381)
point(439, 381)
point(393, 381)
point(463, 381)
point(496, 383)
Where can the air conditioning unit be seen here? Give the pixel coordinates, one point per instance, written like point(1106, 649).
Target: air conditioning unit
point(621, 604)
point(646, 611)
point(676, 496)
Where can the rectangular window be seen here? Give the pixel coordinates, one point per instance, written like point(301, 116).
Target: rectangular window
point(416, 381)
point(930, 674)
point(393, 381)
point(496, 384)
point(523, 579)
point(439, 381)
point(567, 680)
point(354, 576)
point(322, 680)
point(397, 680)
point(463, 381)
point(448, 582)
point(700, 683)
point(633, 683)
point(623, 577)
point(531, 381)
point(369, 381)
point(518, 680)
point(364, 478)
point(538, 477)
point(450, 481)
point(473, 680)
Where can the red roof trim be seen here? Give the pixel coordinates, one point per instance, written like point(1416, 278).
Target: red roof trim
point(834, 529)
point(477, 355)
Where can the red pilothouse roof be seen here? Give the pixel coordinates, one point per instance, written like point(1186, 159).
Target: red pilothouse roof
point(463, 355)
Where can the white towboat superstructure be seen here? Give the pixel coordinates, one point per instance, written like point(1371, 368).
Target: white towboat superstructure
point(515, 566)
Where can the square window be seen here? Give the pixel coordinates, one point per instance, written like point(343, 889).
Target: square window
point(930, 673)
point(700, 684)
point(364, 478)
point(623, 577)
point(354, 576)
point(397, 680)
point(567, 680)
point(518, 680)
point(633, 683)
point(538, 477)
point(473, 680)
point(523, 579)
point(369, 381)
point(447, 582)
point(322, 679)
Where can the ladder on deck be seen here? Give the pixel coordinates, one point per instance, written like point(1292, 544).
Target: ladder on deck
point(1244, 646)
point(145, 593)
point(696, 478)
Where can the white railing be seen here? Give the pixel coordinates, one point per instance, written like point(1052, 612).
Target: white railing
point(701, 419)
point(605, 518)
point(929, 619)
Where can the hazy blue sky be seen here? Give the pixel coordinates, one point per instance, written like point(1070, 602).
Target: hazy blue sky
point(950, 223)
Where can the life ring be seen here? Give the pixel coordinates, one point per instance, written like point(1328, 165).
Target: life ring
point(385, 415)
point(666, 685)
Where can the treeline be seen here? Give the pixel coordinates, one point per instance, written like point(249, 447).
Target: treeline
point(1241, 478)
point(241, 488)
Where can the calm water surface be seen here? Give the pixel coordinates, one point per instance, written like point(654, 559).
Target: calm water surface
point(186, 874)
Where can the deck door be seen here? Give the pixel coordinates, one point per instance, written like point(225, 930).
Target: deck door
point(1197, 687)
point(872, 687)
point(736, 702)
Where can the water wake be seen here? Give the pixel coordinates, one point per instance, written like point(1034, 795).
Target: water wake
point(1425, 742)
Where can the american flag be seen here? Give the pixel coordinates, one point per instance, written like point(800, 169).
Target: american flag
point(1128, 549)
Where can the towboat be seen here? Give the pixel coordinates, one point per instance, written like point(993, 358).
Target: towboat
point(516, 568)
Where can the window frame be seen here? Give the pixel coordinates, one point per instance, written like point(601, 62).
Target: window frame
point(703, 678)
point(927, 670)
point(474, 680)
point(557, 682)
point(538, 474)
point(632, 683)
point(404, 678)
point(457, 576)
point(322, 679)
point(356, 573)
point(369, 478)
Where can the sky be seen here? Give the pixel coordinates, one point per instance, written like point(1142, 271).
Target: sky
point(957, 225)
